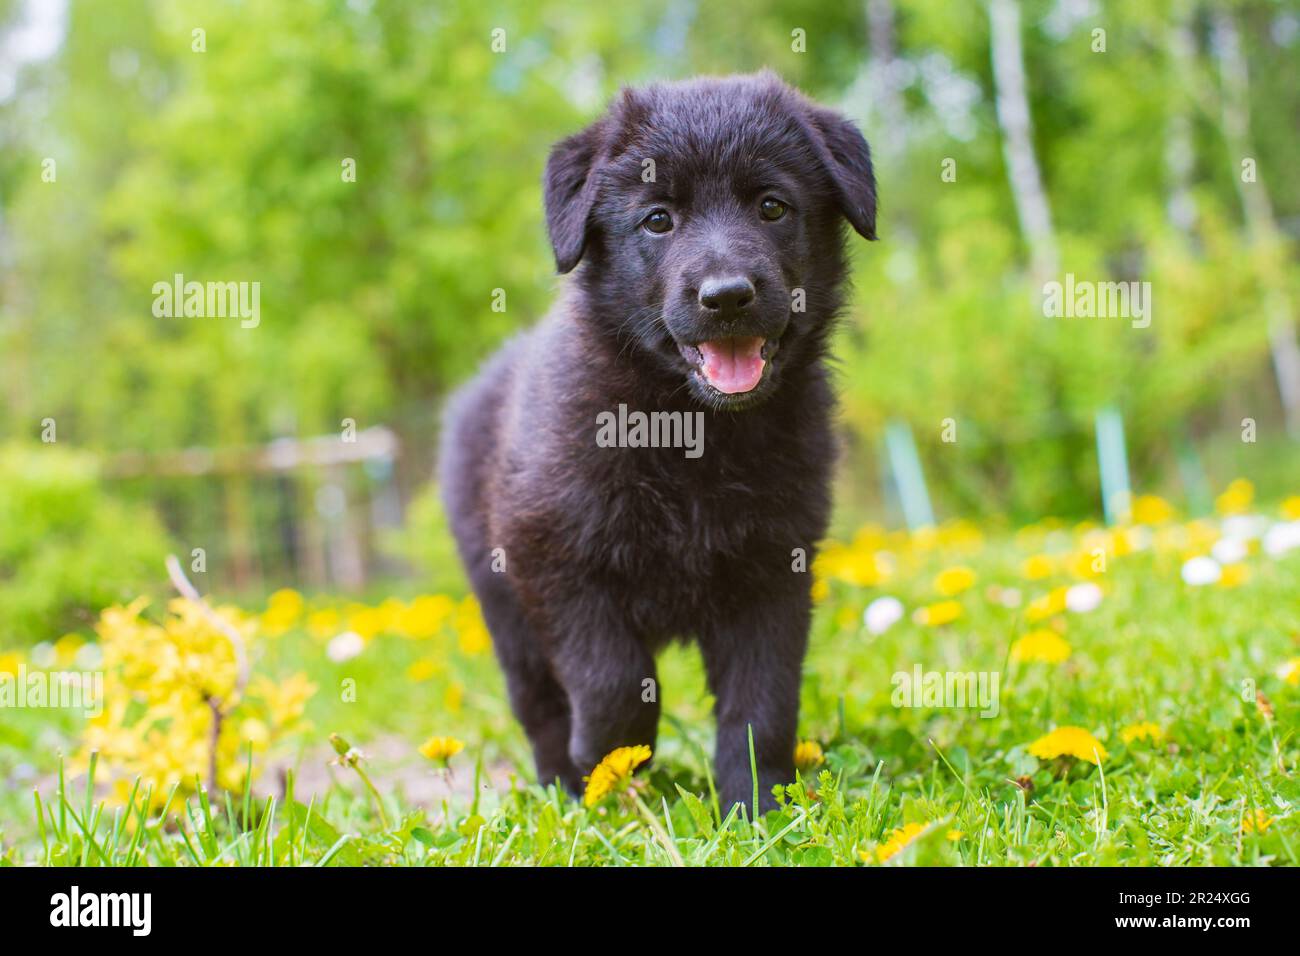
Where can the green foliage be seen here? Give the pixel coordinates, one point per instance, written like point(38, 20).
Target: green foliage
point(66, 548)
point(425, 542)
point(377, 294)
point(936, 340)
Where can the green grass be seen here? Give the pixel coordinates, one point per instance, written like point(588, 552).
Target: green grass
point(1187, 659)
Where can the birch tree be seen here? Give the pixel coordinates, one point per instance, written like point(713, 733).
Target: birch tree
point(1261, 225)
point(1017, 137)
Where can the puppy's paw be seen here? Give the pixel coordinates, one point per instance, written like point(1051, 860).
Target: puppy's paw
point(566, 775)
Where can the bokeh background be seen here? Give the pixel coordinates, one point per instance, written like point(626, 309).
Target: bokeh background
point(376, 295)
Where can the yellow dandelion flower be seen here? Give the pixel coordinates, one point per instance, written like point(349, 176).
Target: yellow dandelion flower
point(1233, 575)
point(369, 622)
point(1289, 671)
point(856, 565)
point(1124, 541)
point(821, 590)
point(1069, 742)
point(1087, 563)
point(808, 754)
point(945, 612)
point(471, 633)
point(1036, 567)
point(951, 581)
point(66, 648)
point(1041, 645)
point(898, 841)
point(1257, 822)
point(953, 835)
point(1236, 498)
point(1151, 510)
point(441, 749)
point(283, 609)
point(324, 624)
point(1047, 605)
point(613, 771)
point(1291, 508)
point(425, 616)
point(870, 537)
point(961, 536)
point(10, 661)
point(1143, 730)
point(422, 670)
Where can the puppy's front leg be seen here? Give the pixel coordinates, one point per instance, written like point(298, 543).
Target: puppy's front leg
point(754, 658)
point(609, 676)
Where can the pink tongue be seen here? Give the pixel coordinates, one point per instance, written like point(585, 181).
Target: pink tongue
point(733, 365)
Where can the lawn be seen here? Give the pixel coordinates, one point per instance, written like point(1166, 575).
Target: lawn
point(1141, 687)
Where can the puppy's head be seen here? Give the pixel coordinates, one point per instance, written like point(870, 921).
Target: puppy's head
point(707, 217)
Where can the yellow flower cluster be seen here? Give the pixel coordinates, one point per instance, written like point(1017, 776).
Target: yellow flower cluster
point(165, 684)
point(855, 564)
point(425, 617)
point(873, 556)
point(1069, 562)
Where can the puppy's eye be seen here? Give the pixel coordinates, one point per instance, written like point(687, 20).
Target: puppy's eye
point(772, 209)
point(658, 222)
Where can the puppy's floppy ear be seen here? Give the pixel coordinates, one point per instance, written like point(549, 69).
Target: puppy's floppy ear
point(569, 189)
point(847, 157)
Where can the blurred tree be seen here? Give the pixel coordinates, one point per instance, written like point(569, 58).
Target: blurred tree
point(377, 290)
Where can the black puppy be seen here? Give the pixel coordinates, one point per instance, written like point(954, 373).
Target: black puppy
point(707, 218)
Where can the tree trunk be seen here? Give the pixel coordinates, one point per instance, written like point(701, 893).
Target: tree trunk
point(1017, 137)
point(1180, 153)
point(1261, 226)
point(882, 39)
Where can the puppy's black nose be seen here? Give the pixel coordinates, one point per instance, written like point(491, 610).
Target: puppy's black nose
point(731, 293)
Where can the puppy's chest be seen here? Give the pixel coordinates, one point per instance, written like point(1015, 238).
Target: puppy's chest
point(690, 520)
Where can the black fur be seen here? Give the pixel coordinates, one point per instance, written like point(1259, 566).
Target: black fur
point(611, 552)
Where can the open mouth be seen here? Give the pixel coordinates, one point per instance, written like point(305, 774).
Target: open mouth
point(733, 365)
